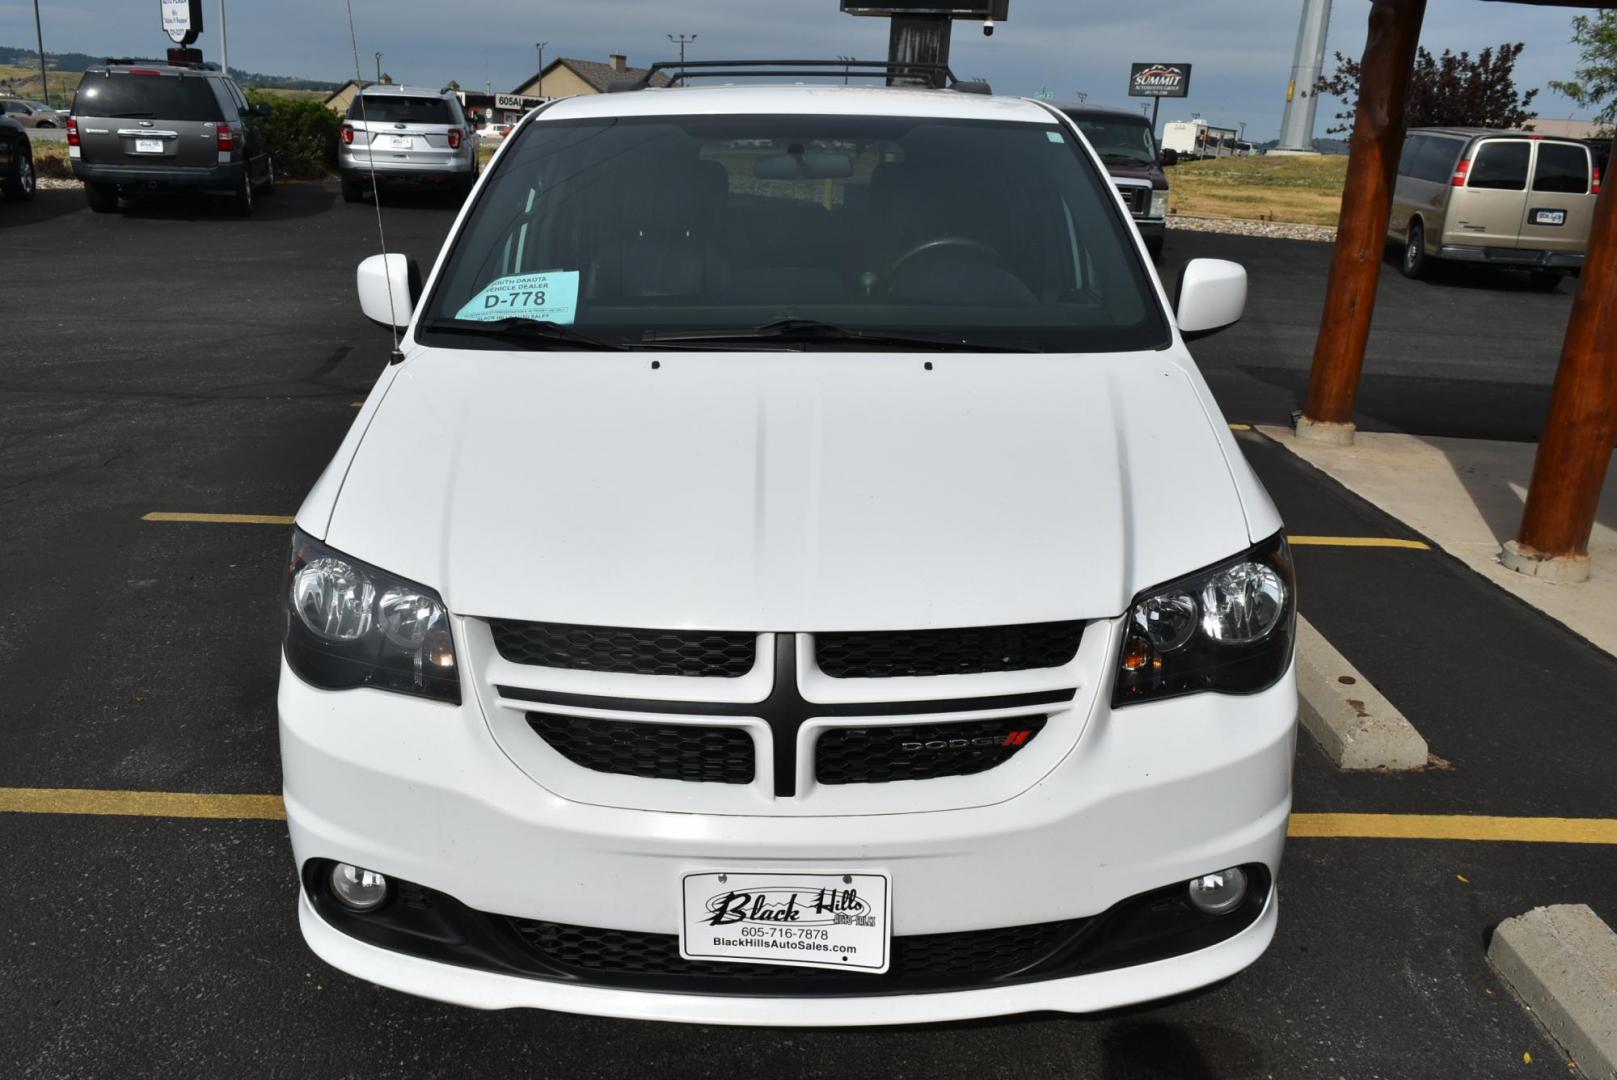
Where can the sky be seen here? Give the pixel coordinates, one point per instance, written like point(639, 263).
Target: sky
point(1241, 49)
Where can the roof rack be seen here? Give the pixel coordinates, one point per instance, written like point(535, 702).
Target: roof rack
point(936, 76)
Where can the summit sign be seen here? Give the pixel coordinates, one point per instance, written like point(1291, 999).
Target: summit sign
point(1159, 80)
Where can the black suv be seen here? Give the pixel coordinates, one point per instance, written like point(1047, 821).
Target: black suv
point(139, 127)
point(16, 161)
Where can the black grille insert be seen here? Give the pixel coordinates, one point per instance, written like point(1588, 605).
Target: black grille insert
point(970, 651)
point(715, 755)
point(878, 755)
point(622, 651)
point(961, 959)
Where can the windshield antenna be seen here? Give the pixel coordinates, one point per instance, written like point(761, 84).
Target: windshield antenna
point(376, 190)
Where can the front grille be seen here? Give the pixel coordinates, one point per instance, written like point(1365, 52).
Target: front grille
point(967, 958)
point(1137, 199)
point(622, 651)
point(971, 651)
point(715, 755)
point(879, 755)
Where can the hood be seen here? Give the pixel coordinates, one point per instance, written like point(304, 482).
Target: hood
point(788, 490)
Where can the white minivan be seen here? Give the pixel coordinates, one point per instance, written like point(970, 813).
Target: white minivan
point(792, 573)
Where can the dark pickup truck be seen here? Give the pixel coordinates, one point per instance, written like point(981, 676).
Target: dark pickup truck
point(1128, 148)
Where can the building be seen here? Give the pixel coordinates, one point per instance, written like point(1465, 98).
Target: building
point(567, 77)
point(1567, 129)
point(342, 97)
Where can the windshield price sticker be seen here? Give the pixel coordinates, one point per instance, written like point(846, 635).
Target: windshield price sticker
point(548, 297)
point(840, 921)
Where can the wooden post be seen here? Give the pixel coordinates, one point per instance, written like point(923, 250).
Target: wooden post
point(1361, 235)
point(1575, 449)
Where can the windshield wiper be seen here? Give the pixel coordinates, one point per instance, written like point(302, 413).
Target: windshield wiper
point(814, 330)
point(524, 331)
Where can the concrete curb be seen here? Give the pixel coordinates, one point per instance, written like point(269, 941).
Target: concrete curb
point(1562, 962)
point(1354, 723)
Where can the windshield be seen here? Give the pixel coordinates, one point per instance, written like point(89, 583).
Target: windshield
point(158, 97)
point(1119, 140)
point(629, 229)
point(396, 109)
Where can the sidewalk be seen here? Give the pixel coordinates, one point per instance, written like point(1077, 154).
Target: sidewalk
point(1466, 496)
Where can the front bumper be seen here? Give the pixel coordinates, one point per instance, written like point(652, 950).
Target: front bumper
point(1152, 228)
point(222, 177)
point(1528, 258)
point(1152, 795)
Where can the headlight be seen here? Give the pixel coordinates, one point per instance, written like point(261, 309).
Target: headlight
point(1159, 204)
point(1227, 628)
point(349, 624)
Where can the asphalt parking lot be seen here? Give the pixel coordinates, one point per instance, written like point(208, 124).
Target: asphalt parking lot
point(177, 360)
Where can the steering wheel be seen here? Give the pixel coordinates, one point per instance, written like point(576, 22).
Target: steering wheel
point(984, 252)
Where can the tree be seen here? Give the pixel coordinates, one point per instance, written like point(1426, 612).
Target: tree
point(1596, 82)
point(1452, 90)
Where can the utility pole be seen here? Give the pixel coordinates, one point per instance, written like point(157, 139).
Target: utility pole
point(378, 68)
point(224, 41)
point(39, 38)
point(682, 41)
point(539, 47)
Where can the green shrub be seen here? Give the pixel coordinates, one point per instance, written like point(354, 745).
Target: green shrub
point(302, 135)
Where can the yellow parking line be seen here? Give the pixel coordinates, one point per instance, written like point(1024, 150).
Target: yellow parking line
point(176, 804)
point(1240, 427)
point(224, 519)
point(1360, 542)
point(1534, 830)
point(1474, 827)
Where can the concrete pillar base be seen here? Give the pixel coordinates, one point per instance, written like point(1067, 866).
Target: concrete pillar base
point(1560, 569)
point(1325, 433)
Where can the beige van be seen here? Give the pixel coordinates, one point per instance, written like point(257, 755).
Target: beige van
point(1506, 198)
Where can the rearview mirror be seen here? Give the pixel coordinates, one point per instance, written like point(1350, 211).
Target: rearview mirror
point(1211, 296)
point(810, 166)
point(388, 286)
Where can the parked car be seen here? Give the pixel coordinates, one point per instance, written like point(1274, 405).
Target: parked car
point(1128, 148)
point(30, 114)
point(493, 132)
point(139, 128)
point(406, 134)
point(17, 179)
point(1506, 198)
point(793, 534)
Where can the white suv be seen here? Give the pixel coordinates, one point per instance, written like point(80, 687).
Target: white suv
point(406, 134)
point(793, 573)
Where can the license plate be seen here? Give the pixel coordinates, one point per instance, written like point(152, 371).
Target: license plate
point(841, 921)
point(1549, 217)
point(400, 142)
point(148, 146)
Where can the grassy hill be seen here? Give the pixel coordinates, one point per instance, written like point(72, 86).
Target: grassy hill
point(19, 71)
point(1307, 190)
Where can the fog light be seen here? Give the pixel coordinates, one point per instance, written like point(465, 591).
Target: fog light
point(357, 888)
point(1220, 893)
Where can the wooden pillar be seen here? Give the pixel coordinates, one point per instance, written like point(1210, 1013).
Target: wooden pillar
point(1361, 235)
point(1575, 449)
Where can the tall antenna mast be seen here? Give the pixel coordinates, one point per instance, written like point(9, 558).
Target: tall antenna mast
point(376, 190)
point(1307, 65)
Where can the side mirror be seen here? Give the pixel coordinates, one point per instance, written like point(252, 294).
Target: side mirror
point(388, 286)
point(1170, 158)
point(263, 110)
point(1211, 296)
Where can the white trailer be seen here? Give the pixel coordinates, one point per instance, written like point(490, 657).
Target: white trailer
point(1196, 139)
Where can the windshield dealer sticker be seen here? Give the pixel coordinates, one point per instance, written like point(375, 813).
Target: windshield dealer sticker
point(548, 297)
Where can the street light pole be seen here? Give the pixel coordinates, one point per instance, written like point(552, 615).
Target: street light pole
point(539, 46)
point(378, 67)
point(39, 38)
point(682, 40)
point(224, 41)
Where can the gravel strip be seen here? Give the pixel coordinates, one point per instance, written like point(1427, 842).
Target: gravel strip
point(50, 183)
point(1275, 230)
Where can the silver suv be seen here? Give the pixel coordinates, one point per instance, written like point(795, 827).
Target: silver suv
point(148, 127)
point(406, 133)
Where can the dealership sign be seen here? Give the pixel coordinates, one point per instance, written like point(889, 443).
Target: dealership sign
point(517, 102)
point(1159, 80)
point(182, 20)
